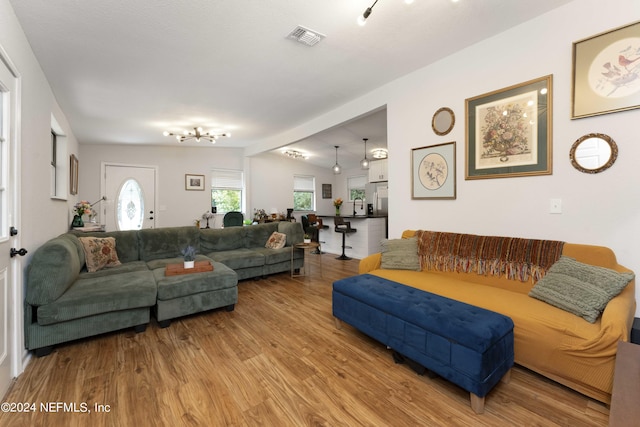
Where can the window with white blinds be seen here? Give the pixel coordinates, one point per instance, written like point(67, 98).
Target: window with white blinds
point(304, 189)
point(227, 188)
point(227, 179)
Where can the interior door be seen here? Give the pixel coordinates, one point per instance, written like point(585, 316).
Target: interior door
point(9, 265)
point(130, 193)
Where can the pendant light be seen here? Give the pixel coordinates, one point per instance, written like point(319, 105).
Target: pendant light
point(337, 169)
point(364, 163)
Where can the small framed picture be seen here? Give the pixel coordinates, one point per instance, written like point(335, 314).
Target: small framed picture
point(433, 171)
point(326, 191)
point(73, 175)
point(194, 182)
point(605, 72)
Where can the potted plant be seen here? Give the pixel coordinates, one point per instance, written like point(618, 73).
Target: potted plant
point(189, 255)
point(307, 238)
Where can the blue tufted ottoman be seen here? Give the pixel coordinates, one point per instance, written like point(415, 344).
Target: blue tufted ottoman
point(469, 346)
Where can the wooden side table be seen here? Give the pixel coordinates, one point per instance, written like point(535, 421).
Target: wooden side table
point(626, 386)
point(308, 248)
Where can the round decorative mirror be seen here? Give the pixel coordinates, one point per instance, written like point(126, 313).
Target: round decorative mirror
point(443, 121)
point(593, 153)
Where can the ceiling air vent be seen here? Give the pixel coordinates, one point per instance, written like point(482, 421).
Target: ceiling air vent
point(305, 36)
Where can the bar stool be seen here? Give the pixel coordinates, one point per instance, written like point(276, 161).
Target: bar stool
point(344, 227)
point(316, 222)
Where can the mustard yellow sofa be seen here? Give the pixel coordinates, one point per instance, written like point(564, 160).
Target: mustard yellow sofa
point(548, 340)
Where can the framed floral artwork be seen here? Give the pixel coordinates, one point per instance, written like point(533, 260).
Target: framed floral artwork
point(606, 72)
point(509, 131)
point(433, 172)
point(194, 182)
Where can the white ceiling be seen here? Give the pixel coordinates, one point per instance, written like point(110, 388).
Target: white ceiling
point(123, 71)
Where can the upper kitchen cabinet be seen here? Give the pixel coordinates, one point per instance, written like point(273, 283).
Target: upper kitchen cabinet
point(378, 171)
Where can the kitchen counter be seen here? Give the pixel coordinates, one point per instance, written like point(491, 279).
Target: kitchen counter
point(364, 242)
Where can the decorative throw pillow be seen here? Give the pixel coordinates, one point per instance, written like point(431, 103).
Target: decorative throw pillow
point(400, 254)
point(276, 240)
point(100, 252)
point(578, 288)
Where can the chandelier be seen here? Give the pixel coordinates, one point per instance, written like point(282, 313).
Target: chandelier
point(295, 154)
point(197, 134)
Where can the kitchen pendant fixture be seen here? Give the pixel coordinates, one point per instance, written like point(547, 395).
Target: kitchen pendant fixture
point(337, 169)
point(364, 163)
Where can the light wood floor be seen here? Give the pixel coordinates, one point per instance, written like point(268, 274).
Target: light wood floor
point(277, 360)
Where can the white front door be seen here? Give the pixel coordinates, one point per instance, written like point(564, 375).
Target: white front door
point(9, 265)
point(130, 193)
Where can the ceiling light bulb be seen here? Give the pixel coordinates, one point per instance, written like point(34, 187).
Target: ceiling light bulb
point(408, 1)
point(362, 19)
point(165, 133)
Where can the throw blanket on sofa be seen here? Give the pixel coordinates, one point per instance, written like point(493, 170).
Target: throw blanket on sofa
point(488, 255)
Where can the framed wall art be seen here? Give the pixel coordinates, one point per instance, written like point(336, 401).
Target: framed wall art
point(606, 72)
point(194, 182)
point(73, 175)
point(433, 172)
point(326, 191)
point(509, 131)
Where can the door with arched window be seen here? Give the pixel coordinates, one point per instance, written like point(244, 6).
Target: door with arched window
point(130, 193)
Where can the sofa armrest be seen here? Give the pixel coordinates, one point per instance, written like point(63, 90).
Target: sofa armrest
point(370, 263)
point(618, 315)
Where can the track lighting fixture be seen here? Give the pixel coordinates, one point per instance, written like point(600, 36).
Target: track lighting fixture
point(364, 163)
point(196, 134)
point(362, 19)
point(337, 169)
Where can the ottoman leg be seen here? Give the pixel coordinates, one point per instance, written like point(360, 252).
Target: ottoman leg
point(477, 403)
point(338, 323)
point(507, 377)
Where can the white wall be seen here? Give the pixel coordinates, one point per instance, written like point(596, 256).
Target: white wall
point(601, 209)
point(40, 216)
point(598, 209)
point(176, 206)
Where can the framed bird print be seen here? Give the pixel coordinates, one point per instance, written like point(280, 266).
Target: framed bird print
point(606, 72)
point(433, 172)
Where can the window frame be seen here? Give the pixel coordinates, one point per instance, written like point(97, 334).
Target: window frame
point(357, 182)
point(223, 180)
point(310, 188)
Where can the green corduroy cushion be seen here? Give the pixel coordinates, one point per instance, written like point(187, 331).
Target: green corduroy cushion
point(53, 268)
point(400, 254)
point(578, 288)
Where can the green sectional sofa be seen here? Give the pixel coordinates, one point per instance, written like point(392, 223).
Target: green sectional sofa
point(64, 301)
